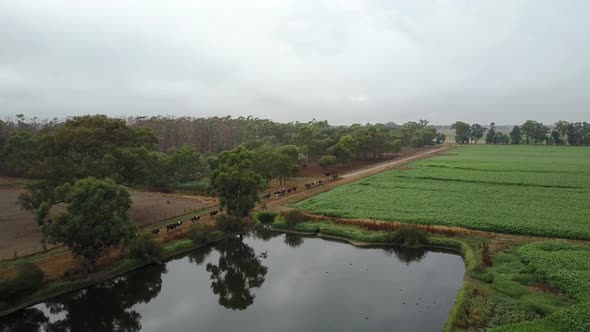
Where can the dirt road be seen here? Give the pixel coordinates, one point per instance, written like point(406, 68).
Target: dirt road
point(302, 193)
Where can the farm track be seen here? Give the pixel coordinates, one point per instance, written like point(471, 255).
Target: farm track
point(302, 194)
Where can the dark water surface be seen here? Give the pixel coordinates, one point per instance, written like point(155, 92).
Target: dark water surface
point(264, 282)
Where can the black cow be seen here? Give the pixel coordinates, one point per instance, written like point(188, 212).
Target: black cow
point(171, 227)
point(155, 231)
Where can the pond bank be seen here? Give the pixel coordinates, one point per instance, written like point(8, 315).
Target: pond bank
point(121, 267)
point(500, 290)
point(230, 285)
point(459, 247)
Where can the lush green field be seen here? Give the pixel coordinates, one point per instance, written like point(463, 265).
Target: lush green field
point(567, 267)
point(534, 190)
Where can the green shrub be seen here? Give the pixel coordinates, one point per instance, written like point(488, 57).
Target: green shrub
point(28, 280)
point(201, 233)
point(293, 217)
point(229, 224)
point(408, 236)
point(485, 276)
point(266, 217)
point(146, 248)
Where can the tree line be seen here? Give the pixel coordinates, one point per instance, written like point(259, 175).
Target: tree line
point(163, 149)
point(88, 162)
point(530, 132)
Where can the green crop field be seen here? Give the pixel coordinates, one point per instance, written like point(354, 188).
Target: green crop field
point(567, 267)
point(533, 190)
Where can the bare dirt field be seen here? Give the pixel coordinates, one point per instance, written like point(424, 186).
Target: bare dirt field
point(19, 231)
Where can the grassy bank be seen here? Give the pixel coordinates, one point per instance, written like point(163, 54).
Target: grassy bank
point(125, 265)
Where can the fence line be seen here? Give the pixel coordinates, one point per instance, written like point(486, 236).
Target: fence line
point(7, 254)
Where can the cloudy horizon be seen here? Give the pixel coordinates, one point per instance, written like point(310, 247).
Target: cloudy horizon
point(342, 61)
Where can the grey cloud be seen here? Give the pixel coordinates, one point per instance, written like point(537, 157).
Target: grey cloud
point(344, 61)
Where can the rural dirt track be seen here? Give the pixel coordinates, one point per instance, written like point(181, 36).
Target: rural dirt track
point(302, 193)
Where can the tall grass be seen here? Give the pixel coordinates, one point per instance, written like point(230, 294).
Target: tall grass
point(374, 225)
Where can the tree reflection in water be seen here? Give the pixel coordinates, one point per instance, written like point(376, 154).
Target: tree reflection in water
point(407, 255)
point(293, 240)
point(27, 320)
point(109, 306)
point(104, 307)
point(236, 273)
point(264, 233)
point(198, 256)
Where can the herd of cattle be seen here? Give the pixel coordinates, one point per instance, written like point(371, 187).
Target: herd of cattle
point(171, 227)
point(277, 194)
point(178, 224)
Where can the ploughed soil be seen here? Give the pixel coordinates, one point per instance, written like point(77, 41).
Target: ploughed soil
point(20, 233)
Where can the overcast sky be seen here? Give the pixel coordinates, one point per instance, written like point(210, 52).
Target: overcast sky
point(343, 61)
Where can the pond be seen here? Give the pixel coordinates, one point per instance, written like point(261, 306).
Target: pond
point(266, 281)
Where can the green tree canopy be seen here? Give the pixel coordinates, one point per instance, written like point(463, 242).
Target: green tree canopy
point(491, 136)
point(396, 146)
point(327, 161)
point(88, 146)
point(417, 134)
point(186, 164)
point(578, 133)
point(234, 181)
point(515, 135)
point(20, 152)
point(476, 132)
point(95, 220)
point(462, 132)
point(534, 131)
point(341, 152)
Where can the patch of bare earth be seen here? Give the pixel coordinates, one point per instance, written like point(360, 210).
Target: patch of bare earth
point(544, 288)
point(20, 234)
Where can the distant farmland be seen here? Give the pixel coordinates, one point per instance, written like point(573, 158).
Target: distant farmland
point(531, 190)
